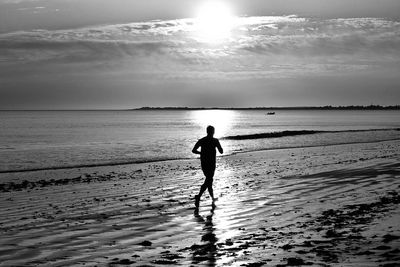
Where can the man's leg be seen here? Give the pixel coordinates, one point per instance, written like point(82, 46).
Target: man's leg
point(202, 189)
point(209, 174)
point(210, 191)
point(209, 186)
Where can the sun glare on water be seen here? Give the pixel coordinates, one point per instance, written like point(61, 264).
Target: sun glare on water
point(222, 120)
point(214, 21)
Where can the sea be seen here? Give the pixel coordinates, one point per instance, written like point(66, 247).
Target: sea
point(45, 140)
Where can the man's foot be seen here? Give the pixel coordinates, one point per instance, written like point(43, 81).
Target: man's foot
point(197, 201)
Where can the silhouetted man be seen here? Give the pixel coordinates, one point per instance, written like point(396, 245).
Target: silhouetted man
point(207, 158)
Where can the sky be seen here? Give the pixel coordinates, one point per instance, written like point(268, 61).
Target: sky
point(200, 53)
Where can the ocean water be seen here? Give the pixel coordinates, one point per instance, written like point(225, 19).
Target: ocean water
point(68, 139)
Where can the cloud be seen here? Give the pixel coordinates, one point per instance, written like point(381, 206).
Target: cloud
point(313, 37)
point(272, 46)
point(289, 32)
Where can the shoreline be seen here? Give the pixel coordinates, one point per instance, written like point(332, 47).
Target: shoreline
point(133, 163)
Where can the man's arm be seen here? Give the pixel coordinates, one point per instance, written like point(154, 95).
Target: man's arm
point(196, 147)
point(221, 151)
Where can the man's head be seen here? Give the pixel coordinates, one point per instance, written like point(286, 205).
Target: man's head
point(210, 130)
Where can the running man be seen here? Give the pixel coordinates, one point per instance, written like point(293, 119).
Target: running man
point(207, 158)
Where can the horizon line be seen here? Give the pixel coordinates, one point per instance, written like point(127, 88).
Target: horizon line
point(326, 107)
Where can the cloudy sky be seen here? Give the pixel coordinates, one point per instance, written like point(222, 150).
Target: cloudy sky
point(238, 53)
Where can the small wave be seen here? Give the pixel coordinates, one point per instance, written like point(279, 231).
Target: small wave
point(7, 148)
point(294, 133)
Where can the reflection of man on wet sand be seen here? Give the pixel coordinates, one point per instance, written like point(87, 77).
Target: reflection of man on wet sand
point(208, 249)
point(207, 158)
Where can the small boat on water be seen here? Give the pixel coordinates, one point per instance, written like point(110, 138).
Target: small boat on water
point(271, 113)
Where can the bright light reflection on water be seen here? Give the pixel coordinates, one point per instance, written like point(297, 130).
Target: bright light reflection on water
point(222, 120)
point(227, 204)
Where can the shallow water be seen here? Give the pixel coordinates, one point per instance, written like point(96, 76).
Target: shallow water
point(45, 140)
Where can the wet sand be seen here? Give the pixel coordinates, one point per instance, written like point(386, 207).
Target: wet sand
point(321, 206)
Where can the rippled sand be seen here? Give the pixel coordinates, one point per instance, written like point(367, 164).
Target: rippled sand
point(334, 205)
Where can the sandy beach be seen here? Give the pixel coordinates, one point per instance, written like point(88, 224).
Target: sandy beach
point(318, 206)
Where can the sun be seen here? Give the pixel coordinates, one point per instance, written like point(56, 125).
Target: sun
point(214, 21)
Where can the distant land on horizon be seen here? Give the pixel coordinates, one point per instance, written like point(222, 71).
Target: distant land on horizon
point(352, 107)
